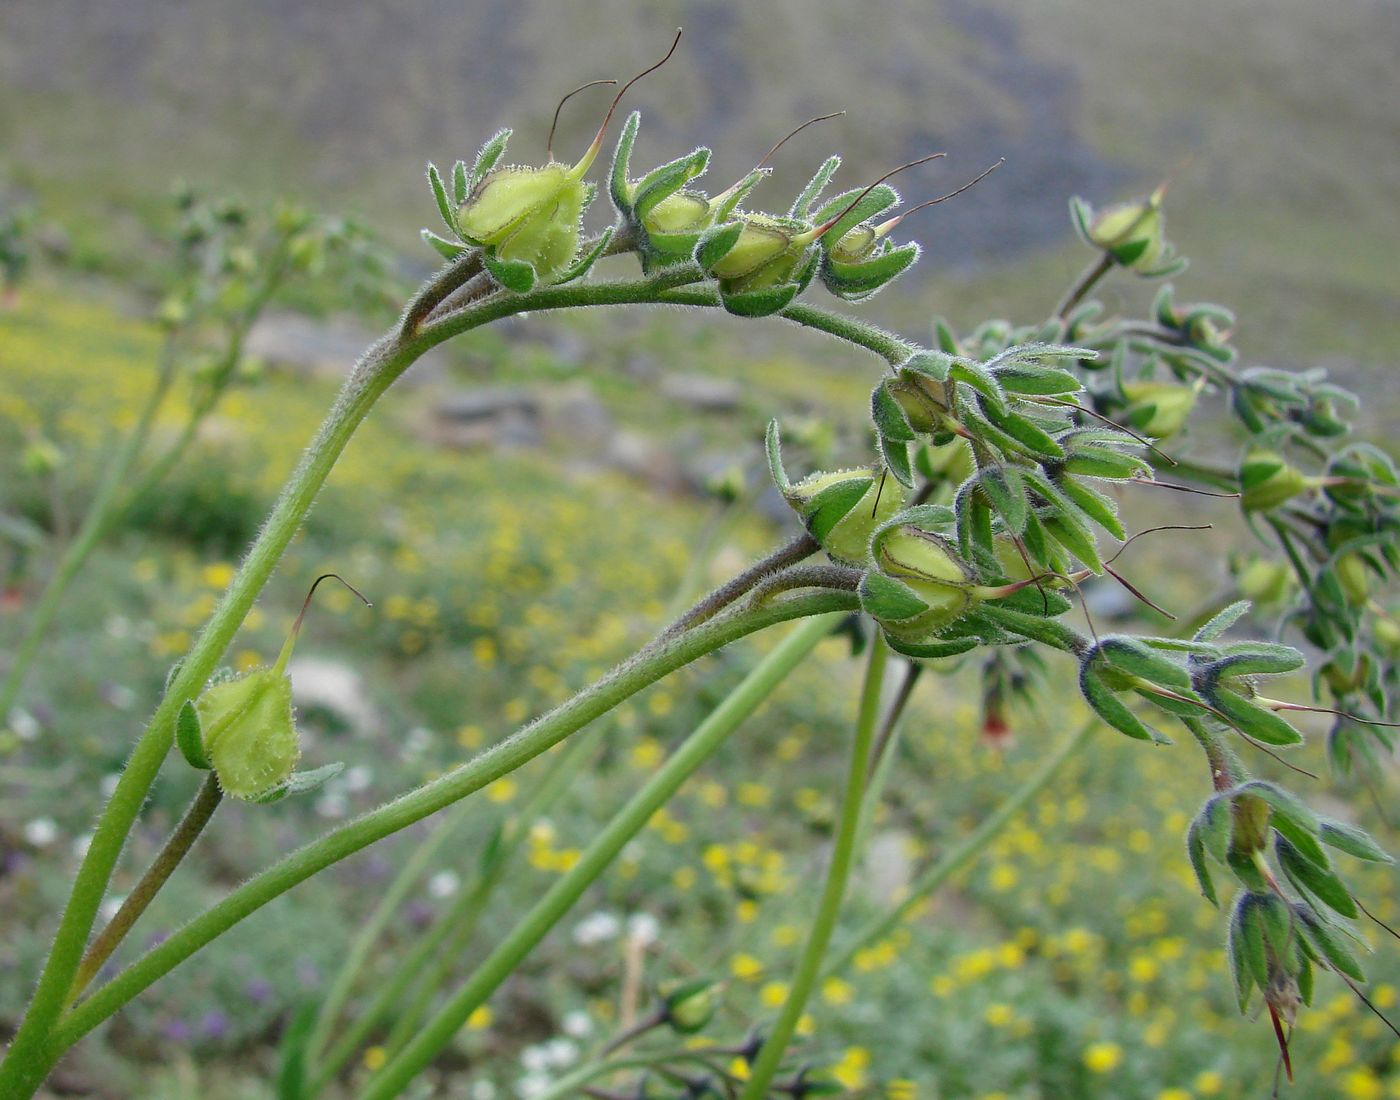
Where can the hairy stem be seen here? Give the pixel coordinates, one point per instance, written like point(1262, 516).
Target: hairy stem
point(775, 1046)
point(532, 927)
point(177, 846)
point(1088, 279)
point(799, 549)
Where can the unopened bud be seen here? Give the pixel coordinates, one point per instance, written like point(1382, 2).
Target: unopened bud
point(1158, 409)
point(1132, 232)
point(689, 1006)
point(1267, 480)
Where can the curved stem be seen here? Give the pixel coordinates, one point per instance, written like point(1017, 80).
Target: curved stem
point(95, 525)
point(889, 347)
point(177, 846)
point(623, 682)
point(840, 577)
point(963, 853)
point(799, 549)
point(1086, 282)
point(774, 1049)
point(630, 820)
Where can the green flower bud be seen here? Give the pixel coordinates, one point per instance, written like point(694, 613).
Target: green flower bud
point(765, 252)
point(1132, 232)
point(689, 1006)
point(1354, 577)
point(1344, 679)
point(1158, 409)
point(841, 512)
point(1267, 480)
point(41, 457)
point(249, 736)
point(1386, 632)
point(933, 586)
point(923, 400)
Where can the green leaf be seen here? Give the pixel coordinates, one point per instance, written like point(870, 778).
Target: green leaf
point(760, 303)
point(855, 282)
point(815, 186)
point(515, 275)
point(1038, 381)
point(1238, 949)
point(1035, 627)
point(1007, 494)
point(928, 651)
point(662, 182)
point(825, 510)
point(1094, 504)
point(445, 208)
point(1066, 525)
point(460, 190)
point(1223, 621)
point(1326, 940)
point(888, 415)
point(1217, 824)
point(189, 736)
point(896, 457)
point(489, 155)
point(295, 1047)
point(1258, 659)
point(1133, 657)
point(1109, 707)
point(1029, 435)
point(448, 250)
point(716, 242)
point(619, 187)
point(584, 263)
point(1196, 853)
point(874, 202)
point(773, 445)
point(1308, 878)
point(1353, 841)
point(1104, 463)
point(888, 599)
point(1253, 720)
point(977, 376)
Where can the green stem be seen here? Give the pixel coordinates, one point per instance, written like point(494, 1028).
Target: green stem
point(1088, 279)
point(95, 524)
point(889, 347)
point(958, 857)
point(339, 991)
point(200, 811)
point(631, 819)
point(626, 680)
point(774, 1048)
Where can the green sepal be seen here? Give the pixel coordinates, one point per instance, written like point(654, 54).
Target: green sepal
point(1007, 494)
point(1326, 941)
point(1241, 970)
point(517, 276)
point(1222, 621)
point(974, 374)
point(1290, 817)
point(1028, 435)
point(944, 337)
point(1353, 841)
point(1196, 853)
point(448, 250)
point(929, 651)
point(871, 205)
point(760, 303)
point(583, 264)
point(660, 183)
point(1066, 525)
point(772, 444)
point(460, 188)
point(1035, 627)
point(855, 282)
point(1253, 720)
point(488, 156)
point(189, 736)
point(1217, 826)
point(302, 782)
point(619, 187)
point(1094, 504)
point(1311, 880)
point(1133, 657)
point(930, 364)
point(1038, 381)
point(715, 243)
point(815, 186)
point(825, 510)
point(895, 454)
point(1104, 463)
point(1109, 707)
point(171, 673)
point(886, 598)
point(737, 194)
point(1258, 659)
point(445, 208)
point(889, 416)
point(1036, 600)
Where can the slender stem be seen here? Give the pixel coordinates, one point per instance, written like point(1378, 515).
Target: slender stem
point(963, 853)
point(774, 1048)
point(94, 526)
point(340, 988)
point(893, 349)
point(501, 759)
point(884, 739)
point(1086, 282)
point(435, 290)
point(177, 846)
point(799, 549)
point(631, 819)
point(841, 577)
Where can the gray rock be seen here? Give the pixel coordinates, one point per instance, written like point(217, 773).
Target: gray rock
point(702, 392)
point(322, 348)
